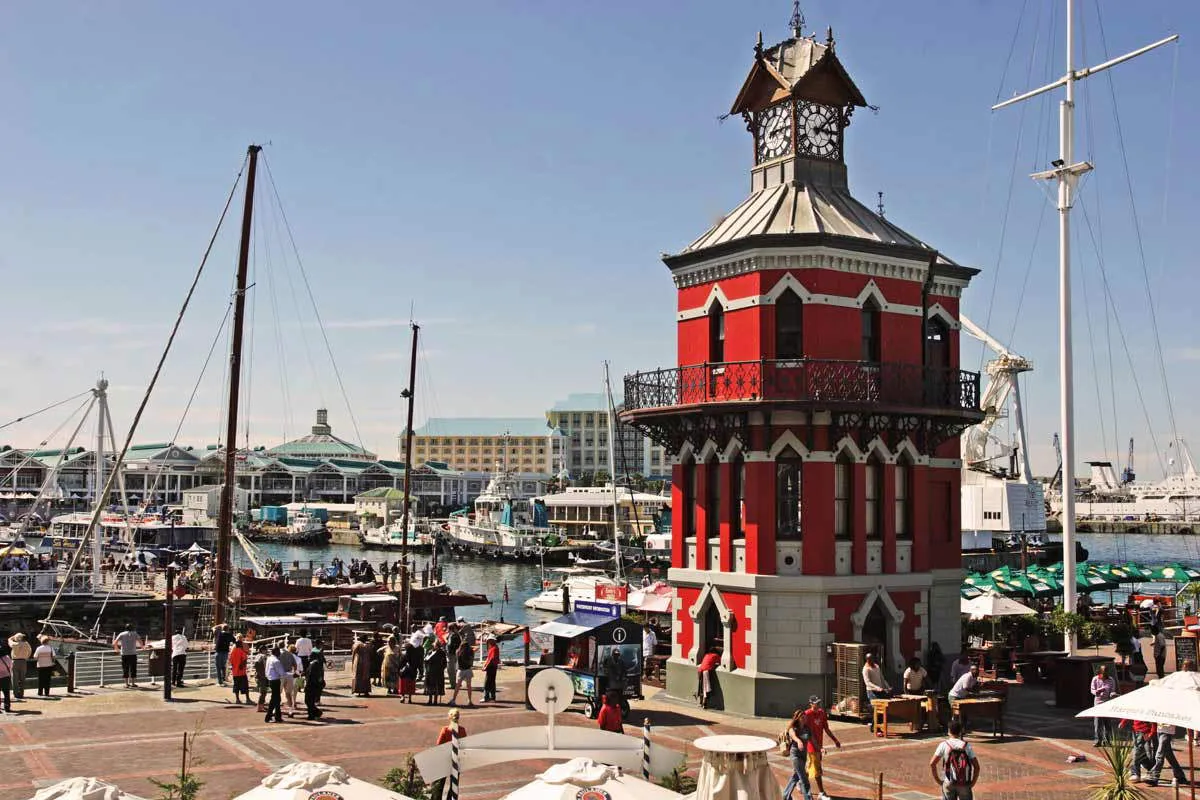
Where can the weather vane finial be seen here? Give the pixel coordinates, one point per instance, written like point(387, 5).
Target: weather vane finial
point(797, 21)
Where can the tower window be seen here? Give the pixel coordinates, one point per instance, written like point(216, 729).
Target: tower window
point(716, 333)
point(903, 475)
point(689, 497)
point(737, 496)
point(789, 326)
point(843, 471)
point(873, 496)
point(712, 498)
point(870, 332)
point(788, 495)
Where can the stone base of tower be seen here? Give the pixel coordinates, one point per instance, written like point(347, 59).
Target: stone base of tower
point(776, 632)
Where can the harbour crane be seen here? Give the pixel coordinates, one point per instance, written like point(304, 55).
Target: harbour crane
point(1003, 371)
point(1127, 474)
point(1057, 479)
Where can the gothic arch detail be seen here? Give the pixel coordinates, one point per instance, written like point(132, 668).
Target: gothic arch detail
point(785, 439)
point(893, 615)
point(711, 596)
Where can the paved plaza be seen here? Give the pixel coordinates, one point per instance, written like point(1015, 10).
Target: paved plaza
point(127, 736)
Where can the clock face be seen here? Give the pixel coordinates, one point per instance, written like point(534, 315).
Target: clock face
point(775, 132)
point(820, 130)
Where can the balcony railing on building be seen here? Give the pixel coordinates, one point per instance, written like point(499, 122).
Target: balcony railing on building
point(819, 382)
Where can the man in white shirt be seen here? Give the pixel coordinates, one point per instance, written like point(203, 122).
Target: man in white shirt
point(304, 648)
point(179, 648)
point(649, 644)
point(275, 673)
point(45, 665)
point(126, 643)
point(966, 685)
point(875, 684)
point(959, 766)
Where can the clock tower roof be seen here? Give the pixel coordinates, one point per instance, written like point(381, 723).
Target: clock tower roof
point(797, 67)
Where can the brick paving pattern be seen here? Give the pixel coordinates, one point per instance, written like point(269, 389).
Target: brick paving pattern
point(127, 736)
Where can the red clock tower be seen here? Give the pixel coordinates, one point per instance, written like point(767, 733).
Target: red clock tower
point(814, 414)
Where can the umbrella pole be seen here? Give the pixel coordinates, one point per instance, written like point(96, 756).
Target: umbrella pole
point(1191, 764)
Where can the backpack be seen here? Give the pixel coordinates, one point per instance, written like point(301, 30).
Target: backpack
point(958, 766)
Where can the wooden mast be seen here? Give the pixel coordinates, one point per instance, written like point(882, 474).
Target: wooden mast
point(405, 577)
point(229, 489)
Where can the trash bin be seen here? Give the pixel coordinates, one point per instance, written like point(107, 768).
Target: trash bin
point(158, 662)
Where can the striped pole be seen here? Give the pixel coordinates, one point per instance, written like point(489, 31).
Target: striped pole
point(455, 767)
point(646, 748)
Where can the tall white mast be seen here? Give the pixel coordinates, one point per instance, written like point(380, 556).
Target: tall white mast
point(101, 394)
point(1067, 173)
point(612, 470)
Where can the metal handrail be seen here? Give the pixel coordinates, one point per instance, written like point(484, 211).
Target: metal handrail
point(816, 381)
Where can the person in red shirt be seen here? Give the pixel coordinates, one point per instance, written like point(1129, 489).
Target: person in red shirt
point(441, 630)
point(818, 726)
point(1145, 746)
point(704, 676)
point(610, 714)
point(238, 660)
point(491, 664)
point(436, 788)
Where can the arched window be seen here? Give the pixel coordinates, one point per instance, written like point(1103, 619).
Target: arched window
point(712, 498)
point(873, 498)
point(716, 333)
point(689, 498)
point(903, 473)
point(737, 497)
point(789, 326)
point(788, 495)
point(870, 331)
point(843, 480)
point(937, 343)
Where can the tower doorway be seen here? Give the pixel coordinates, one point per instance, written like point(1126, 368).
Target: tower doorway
point(874, 632)
point(714, 631)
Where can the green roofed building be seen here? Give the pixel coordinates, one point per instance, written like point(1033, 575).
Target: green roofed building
point(322, 444)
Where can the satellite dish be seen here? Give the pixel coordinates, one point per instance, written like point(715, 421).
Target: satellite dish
point(551, 691)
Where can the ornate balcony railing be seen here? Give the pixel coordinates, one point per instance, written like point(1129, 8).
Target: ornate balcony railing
point(817, 382)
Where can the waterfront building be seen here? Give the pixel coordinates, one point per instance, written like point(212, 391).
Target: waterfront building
point(583, 420)
point(814, 414)
point(587, 511)
point(484, 444)
point(322, 444)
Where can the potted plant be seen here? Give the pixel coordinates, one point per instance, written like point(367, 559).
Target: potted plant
point(1117, 783)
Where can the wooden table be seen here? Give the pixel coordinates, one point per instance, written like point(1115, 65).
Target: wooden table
point(898, 709)
point(972, 708)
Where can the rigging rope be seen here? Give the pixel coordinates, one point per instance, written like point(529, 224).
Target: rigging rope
point(1137, 227)
point(313, 301)
point(29, 454)
point(50, 407)
point(99, 509)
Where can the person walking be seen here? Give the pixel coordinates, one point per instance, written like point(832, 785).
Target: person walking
point(817, 722)
point(291, 668)
point(1166, 753)
point(1145, 740)
point(21, 653)
point(491, 664)
point(304, 648)
point(260, 676)
point(314, 683)
point(649, 645)
point(275, 673)
point(44, 657)
point(609, 718)
point(126, 643)
point(179, 648)
point(437, 788)
point(797, 736)
point(435, 674)
point(1159, 648)
point(1103, 688)
point(390, 672)
point(464, 673)
point(954, 766)
point(6, 668)
point(222, 642)
point(360, 659)
point(238, 661)
point(411, 658)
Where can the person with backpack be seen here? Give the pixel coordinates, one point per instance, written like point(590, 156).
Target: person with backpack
point(794, 740)
point(954, 766)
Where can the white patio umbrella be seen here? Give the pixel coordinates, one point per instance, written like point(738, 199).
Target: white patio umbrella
point(83, 789)
point(196, 548)
point(993, 605)
point(1173, 700)
point(305, 779)
point(584, 778)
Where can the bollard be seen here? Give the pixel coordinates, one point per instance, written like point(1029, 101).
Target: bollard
point(71, 673)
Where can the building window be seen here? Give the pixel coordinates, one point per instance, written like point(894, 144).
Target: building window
point(843, 478)
point(873, 496)
point(870, 331)
point(737, 496)
point(716, 333)
point(903, 506)
point(788, 495)
point(689, 498)
point(789, 326)
point(712, 499)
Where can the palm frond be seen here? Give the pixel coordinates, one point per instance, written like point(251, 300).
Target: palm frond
point(1116, 784)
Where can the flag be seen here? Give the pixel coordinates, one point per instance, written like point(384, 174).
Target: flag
point(506, 591)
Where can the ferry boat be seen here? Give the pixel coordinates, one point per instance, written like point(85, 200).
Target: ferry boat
point(1173, 499)
point(392, 537)
point(122, 534)
point(503, 525)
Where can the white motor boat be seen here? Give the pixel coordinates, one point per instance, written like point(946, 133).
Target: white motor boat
point(581, 583)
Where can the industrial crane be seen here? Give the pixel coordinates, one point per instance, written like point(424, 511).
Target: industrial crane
point(1058, 470)
point(1003, 371)
point(1127, 474)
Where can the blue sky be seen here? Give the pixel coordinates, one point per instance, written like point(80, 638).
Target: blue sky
point(513, 171)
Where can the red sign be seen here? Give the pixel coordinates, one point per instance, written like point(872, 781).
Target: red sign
point(613, 594)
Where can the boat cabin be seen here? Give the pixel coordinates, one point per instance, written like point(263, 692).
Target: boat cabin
point(378, 609)
point(337, 633)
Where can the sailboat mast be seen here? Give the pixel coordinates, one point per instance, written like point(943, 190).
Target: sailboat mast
point(408, 439)
point(612, 468)
point(229, 490)
point(101, 392)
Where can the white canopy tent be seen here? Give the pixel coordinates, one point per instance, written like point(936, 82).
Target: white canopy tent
point(572, 779)
point(83, 789)
point(305, 779)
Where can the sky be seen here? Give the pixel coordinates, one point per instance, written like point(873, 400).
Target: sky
point(508, 176)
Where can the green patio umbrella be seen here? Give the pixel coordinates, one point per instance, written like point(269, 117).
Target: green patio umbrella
point(1175, 573)
point(1112, 572)
point(1137, 572)
point(1002, 573)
